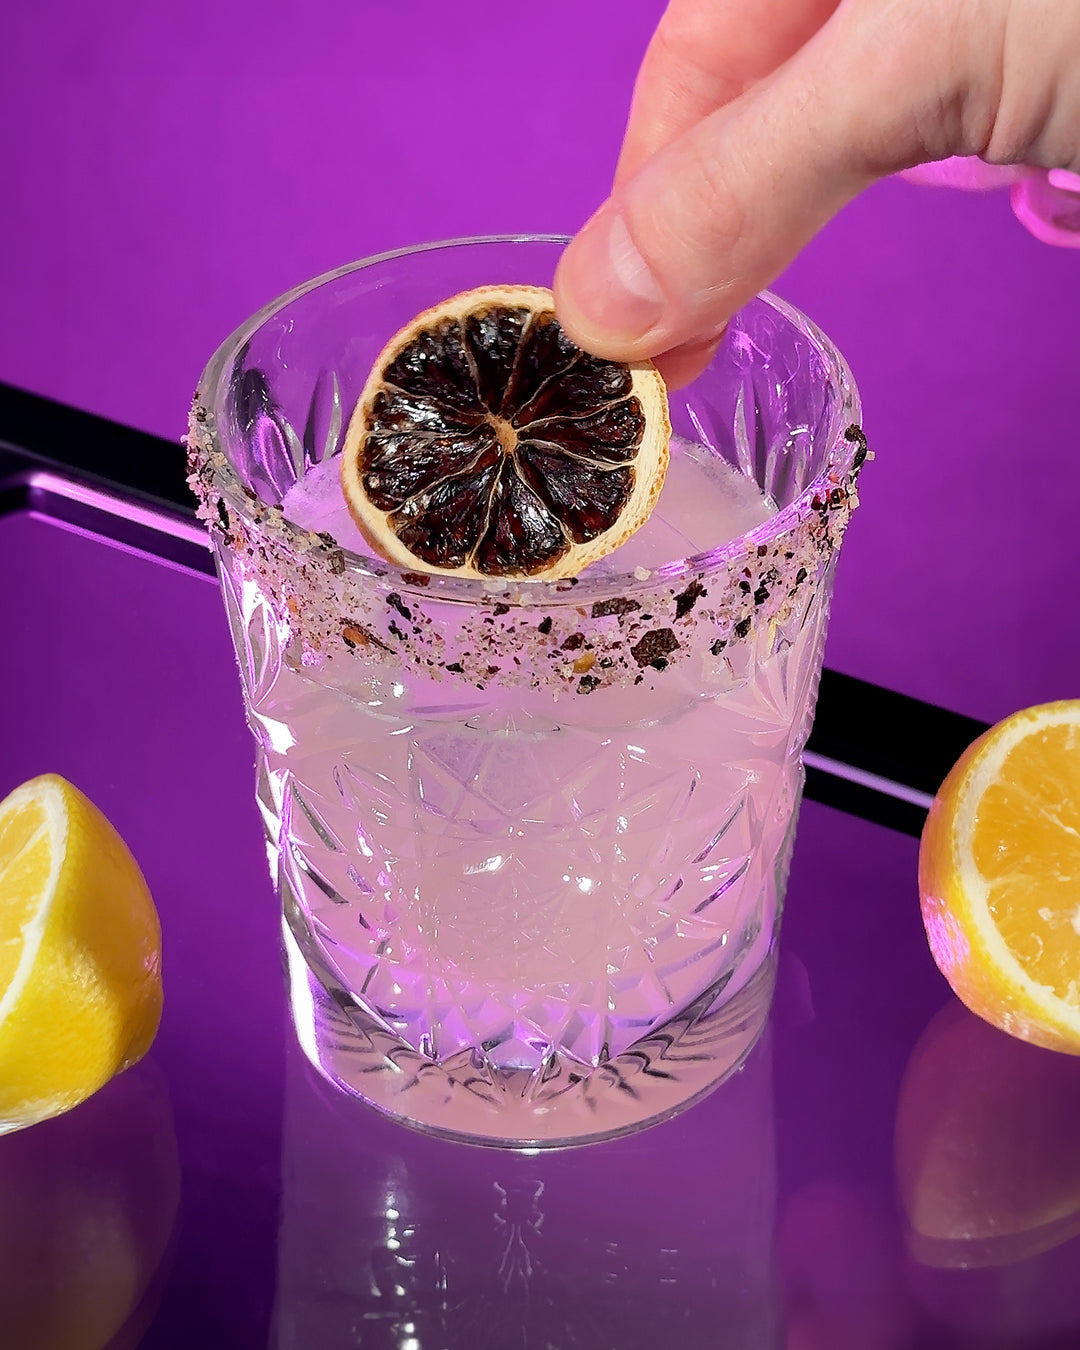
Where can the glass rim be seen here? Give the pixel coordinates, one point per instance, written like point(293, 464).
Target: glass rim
point(844, 455)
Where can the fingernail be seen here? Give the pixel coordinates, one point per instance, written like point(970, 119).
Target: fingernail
point(1049, 207)
point(608, 284)
point(1064, 180)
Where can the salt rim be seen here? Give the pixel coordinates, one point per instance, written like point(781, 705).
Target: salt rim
point(330, 602)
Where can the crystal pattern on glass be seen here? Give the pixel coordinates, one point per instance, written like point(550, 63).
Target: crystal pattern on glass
point(535, 898)
point(522, 880)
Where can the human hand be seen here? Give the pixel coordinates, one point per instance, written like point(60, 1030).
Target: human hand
point(1045, 201)
point(754, 121)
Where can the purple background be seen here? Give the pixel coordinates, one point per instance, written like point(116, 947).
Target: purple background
point(168, 169)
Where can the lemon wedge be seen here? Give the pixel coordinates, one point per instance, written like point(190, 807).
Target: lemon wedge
point(80, 953)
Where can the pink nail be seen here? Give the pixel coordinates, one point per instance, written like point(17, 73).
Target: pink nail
point(1049, 206)
point(1064, 180)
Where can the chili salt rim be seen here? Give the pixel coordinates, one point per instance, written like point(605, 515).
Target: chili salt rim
point(617, 632)
point(585, 634)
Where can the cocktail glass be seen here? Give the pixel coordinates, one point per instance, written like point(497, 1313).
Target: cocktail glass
point(531, 838)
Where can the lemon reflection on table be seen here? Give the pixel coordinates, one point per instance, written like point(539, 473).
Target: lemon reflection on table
point(987, 1155)
point(393, 1239)
point(89, 1203)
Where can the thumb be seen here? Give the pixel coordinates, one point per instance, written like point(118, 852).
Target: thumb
point(716, 215)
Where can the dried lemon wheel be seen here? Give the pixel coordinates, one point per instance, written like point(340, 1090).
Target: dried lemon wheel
point(486, 444)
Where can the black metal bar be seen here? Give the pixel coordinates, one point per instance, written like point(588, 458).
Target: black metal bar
point(21, 491)
point(887, 734)
point(118, 458)
point(868, 804)
point(878, 754)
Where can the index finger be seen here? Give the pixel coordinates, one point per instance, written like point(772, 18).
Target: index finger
point(704, 54)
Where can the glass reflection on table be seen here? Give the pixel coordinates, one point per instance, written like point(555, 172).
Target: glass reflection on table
point(394, 1239)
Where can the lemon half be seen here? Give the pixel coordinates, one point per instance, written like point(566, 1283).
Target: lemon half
point(80, 952)
point(999, 876)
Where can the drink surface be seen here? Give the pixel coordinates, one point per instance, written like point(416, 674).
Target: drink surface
point(704, 503)
point(521, 872)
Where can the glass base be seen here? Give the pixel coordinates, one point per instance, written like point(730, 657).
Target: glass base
point(562, 1103)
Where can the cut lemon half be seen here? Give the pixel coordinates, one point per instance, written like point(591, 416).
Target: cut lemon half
point(999, 876)
point(486, 444)
point(80, 953)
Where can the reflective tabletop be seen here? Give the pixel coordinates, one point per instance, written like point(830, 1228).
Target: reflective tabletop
point(885, 1172)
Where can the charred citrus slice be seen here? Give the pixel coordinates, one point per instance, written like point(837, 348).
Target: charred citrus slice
point(486, 444)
